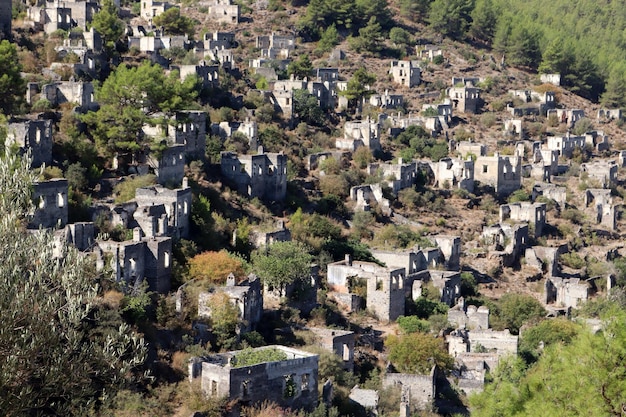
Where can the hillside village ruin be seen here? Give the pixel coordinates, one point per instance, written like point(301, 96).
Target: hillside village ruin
point(528, 179)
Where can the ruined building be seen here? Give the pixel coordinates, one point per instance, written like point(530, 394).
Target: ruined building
point(503, 173)
point(51, 205)
point(263, 175)
point(407, 73)
point(34, 136)
point(290, 383)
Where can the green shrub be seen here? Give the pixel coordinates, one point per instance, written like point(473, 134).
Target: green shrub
point(249, 357)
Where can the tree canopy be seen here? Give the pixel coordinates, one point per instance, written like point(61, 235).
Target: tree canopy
point(417, 353)
point(127, 99)
point(108, 24)
point(58, 355)
point(282, 264)
point(12, 86)
point(174, 23)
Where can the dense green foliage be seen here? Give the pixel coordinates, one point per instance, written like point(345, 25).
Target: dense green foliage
point(585, 378)
point(174, 23)
point(282, 264)
point(514, 310)
point(417, 143)
point(418, 353)
point(63, 350)
point(108, 24)
point(11, 84)
point(546, 333)
point(249, 357)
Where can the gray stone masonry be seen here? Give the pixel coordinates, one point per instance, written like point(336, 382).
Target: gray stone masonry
point(170, 166)
point(365, 398)
point(465, 99)
point(208, 74)
point(51, 206)
point(290, 383)
point(366, 132)
point(406, 73)
point(551, 191)
point(366, 196)
point(567, 116)
point(246, 296)
point(80, 235)
point(450, 247)
point(469, 316)
point(339, 342)
point(79, 92)
point(602, 172)
point(609, 114)
point(263, 175)
point(34, 136)
point(538, 256)
point(421, 387)
point(177, 204)
point(532, 213)
point(506, 241)
point(565, 145)
point(599, 203)
point(397, 176)
point(465, 148)
point(566, 292)
point(280, 233)
point(457, 173)
point(503, 173)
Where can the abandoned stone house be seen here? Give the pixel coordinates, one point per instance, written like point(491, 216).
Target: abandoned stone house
point(565, 292)
point(470, 317)
point(465, 99)
point(282, 100)
point(532, 213)
point(360, 133)
point(603, 173)
point(399, 123)
point(276, 45)
point(554, 79)
point(543, 102)
point(290, 383)
point(150, 9)
point(263, 175)
point(609, 114)
point(397, 176)
point(368, 196)
point(51, 205)
point(81, 235)
point(443, 110)
point(506, 241)
point(223, 11)
point(453, 173)
point(168, 165)
point(597, 140)
point(422, 388)
point(565, 145)
point(466, 148)
point(187, 128)
point(450, 248)
point(428, 51)
point(208, 74)
point(407, 73)
point(545, 258)
point(5, 19)
point(246, 296)
point(544, 163)
point(339, 342)
point(364, 400)
point(502, 343)
point(314, 160)
point(65, 15)
point(567, 116)
point(262, 237)
point(599, 203)
point(219, 40)
point(34, 136)
point(140, 259)
point(80, 93)
point(157, 41)
point(503, 173)
point(551, 191)
point(386, 100)
point(513, 127)
point(385, 286)
point(176, 204)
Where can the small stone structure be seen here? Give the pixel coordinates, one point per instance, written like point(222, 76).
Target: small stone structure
point(503, 173)
point(34, 136)
point(428, 51)
point(602, 172)
point(360, 133)
point(565, 292)
point(177, 205)
point(246, 296)
point(224, 11)
point(534, 102)
point(368, 195)
point(248, 127)
point(208, 74)
point(407, 73)
point(506, 241)
point(469, 316)
point(397, 176)
point(279, 233)
point(565, 145)
point(454, 172)
point(545, 258)
point(51, 205)
point(339, 342)
point(551, 191)
point(263, 175)
point(609, 114)
point(79, 92)
point(367, 399)
point(465, 99)
point(567, 116)
point(290, 383)
point(421, 387)
point(600, 203)
point(465, 149)
point(554, 79)
point(387, 100)
point(532, 213)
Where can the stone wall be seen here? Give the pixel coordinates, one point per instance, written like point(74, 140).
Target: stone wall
point(51, 205)
point(34, 136)
point(422, 387)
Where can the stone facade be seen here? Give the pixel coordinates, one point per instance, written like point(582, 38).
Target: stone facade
point(177, 205)
point(421, 387)
point(280, 233)
point(567, 116)
point(450, 247)
point(208, 74)
point(465, 149)
point(290, 383)
point(503, 173)
point(79, 92)
point(506, 241)
point(407, 73)
point(469, 316)
point(566, 292)
point(150, 9)
point(224, 11)
point(456, 173)
point(339, 342)
point(397, 176)
point(565, 145)
point(465, 99)
point(609, 114)
point(387, 100)
point(599, 203)
point(551, 191)
point(246, 296)
point(51, 205)
point(532, 213)
point(368, 195)
point(360, 133)
point(263, 175)
point(169, 166)
point(602, 172)
point(34, 136)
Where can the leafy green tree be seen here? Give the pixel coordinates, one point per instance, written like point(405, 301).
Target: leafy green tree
point(414, 9)
point(412, 324)
point(523, 49)
point(450, 17)
point(418, 353)
point(514, 310)
point(370, 38)
point(174, 23)
point(399, 36)
point(329, 39)
point(282, 264)
point(544, 334)
point(306, 107)
point(358, 86)
point(556, 58)
point(484, 21)
point(367, 9)
point(108, 24)
point(301, 68)
point(127, 99)
point(615, 94)
point(12, 86)
point(61, 354)
point(76, 175)
point(584, 378)
point(224, 320)
point(321, 14)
